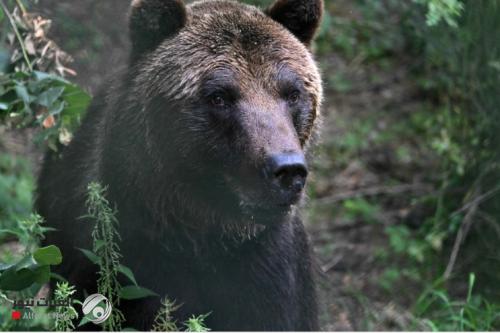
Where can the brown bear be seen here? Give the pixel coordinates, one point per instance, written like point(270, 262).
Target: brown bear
point(203, 145)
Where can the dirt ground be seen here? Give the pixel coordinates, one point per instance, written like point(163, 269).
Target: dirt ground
point(349, 249)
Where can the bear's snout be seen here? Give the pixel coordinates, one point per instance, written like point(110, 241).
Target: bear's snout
point(287, 173)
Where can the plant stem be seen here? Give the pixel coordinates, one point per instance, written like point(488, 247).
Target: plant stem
point(21, 6)
point(18, 35)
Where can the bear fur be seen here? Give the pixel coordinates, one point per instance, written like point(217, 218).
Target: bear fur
point(180, 140)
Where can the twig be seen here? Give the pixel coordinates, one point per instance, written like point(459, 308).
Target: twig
point(463, 231)
point(18, 35)
point(376, 190)
point(478, 200)
point(331, 264)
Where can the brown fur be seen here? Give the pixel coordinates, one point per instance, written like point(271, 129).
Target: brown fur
point(255, 47)
point(201, 218)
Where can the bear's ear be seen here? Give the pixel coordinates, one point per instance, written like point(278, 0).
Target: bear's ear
point(301, 17)
point(152, 21)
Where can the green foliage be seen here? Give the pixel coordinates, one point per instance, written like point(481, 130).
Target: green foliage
point(65, 314)
point(452, 51)
point(30, 270)
point(135, 292)
point(197, 324)
point(106, 248)
point(369, 37)
point(460, 72)
point(34, 267)
point(361, 209)
point(442, 10)
point(32, 91)
point(404, 242)
point(460, 76)
point(106, 254)
point(42, 100)
point(443, 313)
point(31, 95)
point(23, 277)
point(164, 321)
point(460, 65)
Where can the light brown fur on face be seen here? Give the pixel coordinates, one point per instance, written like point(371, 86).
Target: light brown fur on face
point(223, 35)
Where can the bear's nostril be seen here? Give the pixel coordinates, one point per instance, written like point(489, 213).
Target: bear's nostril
point(292, 179)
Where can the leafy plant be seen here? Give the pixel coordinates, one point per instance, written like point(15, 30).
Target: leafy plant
point(442, 10)
point(106, 254)
point(197, 324)
point(64, 314)
point(164, 321)
point(33, 92)
point(32, 269)
point(361, 208)
point(442, 313)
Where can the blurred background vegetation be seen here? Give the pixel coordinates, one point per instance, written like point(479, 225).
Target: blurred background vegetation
point(403, 209)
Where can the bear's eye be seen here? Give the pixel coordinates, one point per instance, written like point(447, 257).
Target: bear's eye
point(293, 97)
point(218, 101)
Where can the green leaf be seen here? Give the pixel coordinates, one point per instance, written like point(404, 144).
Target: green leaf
point(91, 256)
point(77, 102)
point(26, 262)
point(84, 321)
point(98, 244)
point(17, 280)
point(23, 94)
point(40, 76)
point(42, 274)
point(10, 232)
point(50, 255)
point(128, 273)
point(48, 97)
point(135, 292)
point(4, 267)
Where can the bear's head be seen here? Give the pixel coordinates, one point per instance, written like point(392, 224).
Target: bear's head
point(230, 98)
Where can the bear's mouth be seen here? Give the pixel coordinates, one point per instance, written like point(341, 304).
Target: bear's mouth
point(259, 206)
point(266, 215)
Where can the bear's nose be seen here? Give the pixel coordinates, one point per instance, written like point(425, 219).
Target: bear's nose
point(288, 171)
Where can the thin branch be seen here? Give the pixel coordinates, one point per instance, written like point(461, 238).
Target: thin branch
point(331, 264)
point(18, 35)
point(476, 201)
point(467, 222)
